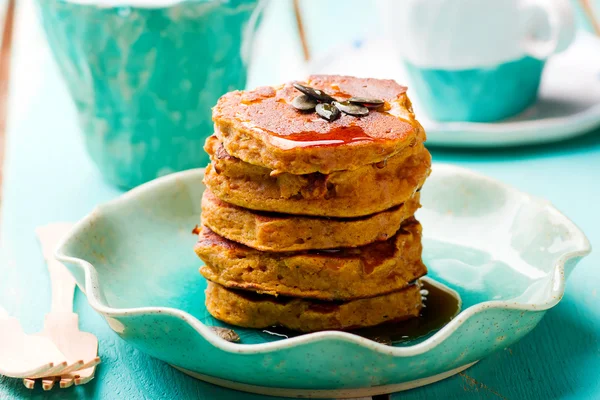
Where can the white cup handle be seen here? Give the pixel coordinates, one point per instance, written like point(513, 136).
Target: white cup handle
point(560, 18)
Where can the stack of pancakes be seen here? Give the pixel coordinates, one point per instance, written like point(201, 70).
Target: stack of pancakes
point(307, 223)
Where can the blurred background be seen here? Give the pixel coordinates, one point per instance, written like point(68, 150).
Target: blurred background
point(141, 76)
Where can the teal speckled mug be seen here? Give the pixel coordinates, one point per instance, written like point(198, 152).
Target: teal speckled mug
point(145, 76)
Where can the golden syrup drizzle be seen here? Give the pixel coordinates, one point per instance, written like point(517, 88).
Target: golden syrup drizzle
point(337, 135)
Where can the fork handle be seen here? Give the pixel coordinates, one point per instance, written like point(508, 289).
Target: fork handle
point(63, 287)
point(63, 284)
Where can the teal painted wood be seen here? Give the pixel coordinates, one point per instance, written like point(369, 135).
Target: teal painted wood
point(144, 79)
point(559, 359)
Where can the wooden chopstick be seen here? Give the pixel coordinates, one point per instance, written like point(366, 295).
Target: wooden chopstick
point(5, 51)
point(591, 15)
point(301, 32)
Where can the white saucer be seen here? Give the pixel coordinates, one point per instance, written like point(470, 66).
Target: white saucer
point(568, 105)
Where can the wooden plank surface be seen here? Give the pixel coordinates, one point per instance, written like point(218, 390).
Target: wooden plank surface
point(5, 52)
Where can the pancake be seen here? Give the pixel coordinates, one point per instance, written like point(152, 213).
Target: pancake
point(250, 310)
point(364, 191)
point(342, 274)
point(284, 233)
point(262, 128)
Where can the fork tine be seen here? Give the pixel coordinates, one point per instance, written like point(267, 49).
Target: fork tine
point(92, 363)
point(66, 381)
point(29, 383)
point(50, 375)
point(73, 367)
point(55, 370)
point(83, 381)
point(63, 368)
point(48, 383)
point(73, 377)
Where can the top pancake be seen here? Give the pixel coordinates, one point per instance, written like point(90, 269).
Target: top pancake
point(261, 126)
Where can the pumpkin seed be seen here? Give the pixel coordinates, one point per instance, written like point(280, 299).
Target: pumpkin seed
point(226, 334)
point(316, 94)
point(367, 102)
point(351, 109)
point(328, 111)
point(304, 103)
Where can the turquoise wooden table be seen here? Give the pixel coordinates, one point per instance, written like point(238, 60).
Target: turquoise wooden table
point(48, 178)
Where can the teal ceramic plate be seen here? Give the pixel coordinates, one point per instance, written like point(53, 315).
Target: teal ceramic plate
point(506, 253)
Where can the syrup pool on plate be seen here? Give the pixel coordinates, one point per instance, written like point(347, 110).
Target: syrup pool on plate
point(440, 305)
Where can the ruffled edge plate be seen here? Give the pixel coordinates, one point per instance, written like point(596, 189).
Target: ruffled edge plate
point(554, 291)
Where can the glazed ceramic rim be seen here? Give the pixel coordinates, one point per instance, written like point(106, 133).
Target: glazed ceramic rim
point(93, 292)
point(589, 118)
point(512, 133)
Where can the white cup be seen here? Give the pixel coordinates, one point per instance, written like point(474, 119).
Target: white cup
point(477, 60)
